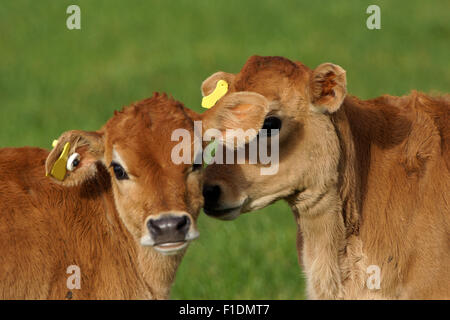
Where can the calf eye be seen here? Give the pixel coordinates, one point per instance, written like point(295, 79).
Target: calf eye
point(73, 161)
point(271, 123)
point(119, 171)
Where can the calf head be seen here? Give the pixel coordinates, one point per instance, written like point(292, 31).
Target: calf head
point(287, 96)
point(157, 200)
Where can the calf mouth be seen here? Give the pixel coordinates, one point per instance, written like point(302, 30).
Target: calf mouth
point(223, 214)
point(170, 248)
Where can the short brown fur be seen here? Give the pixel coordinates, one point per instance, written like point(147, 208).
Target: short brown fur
point(47, 225)
point(367, 181)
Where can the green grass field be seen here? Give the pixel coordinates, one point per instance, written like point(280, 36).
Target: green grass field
point(53, 79)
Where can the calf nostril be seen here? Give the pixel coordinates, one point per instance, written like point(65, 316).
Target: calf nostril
point(183, 221)
point(211, 193)
point(153, 226)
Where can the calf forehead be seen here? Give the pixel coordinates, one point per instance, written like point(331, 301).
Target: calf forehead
point(143, 131)
point(272, 77)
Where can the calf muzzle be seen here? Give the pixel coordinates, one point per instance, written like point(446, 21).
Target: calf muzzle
point(169, 228)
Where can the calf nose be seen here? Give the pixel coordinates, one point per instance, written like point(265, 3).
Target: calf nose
point(169, 228)
point(211, 194)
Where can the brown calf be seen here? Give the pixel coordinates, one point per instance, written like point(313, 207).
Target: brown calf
point(368, 181)
point(123, 214)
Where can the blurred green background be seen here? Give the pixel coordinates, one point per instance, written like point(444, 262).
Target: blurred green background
point(53, 79)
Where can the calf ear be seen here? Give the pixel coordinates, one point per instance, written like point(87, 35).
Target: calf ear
point(328, 87)
point(243, 112)
point(209, 84)
point(74, 157)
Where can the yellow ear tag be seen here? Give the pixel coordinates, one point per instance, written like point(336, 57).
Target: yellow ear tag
point(59, 167)
point(211, 99)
